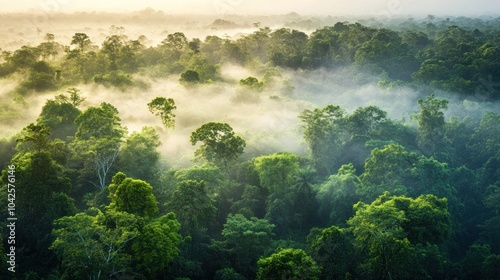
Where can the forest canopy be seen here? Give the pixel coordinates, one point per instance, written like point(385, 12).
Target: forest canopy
point(353, 150)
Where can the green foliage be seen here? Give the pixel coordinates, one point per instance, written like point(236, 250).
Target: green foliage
point(277, 171)
point(189, 77)
point(96, 143)
point(333, 252)
point(246, 240)
point(337, 194)
point(132, 196)
point(162, 107)
point(89, 248)
point(251, 83)
point(81, 41)
point(385, 170)
point(286, 47)
point(324, 136)
point(213, 177)
point(228, 274)
point(60, 114)
point(390, 227)
point(431, 123)
point(220, 145)
point(157, 244)
point(288, 264)
point(192, 206)
point(485, 138)
point(139, 156)
point(36, 137)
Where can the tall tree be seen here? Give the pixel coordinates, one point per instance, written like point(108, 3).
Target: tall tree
point(246, 240)
point(220, 144)
point(97, 142)
point(139, 156)
point(325, 135)
point(193, 207)
point(132, 196)
point(162, 107)
point(431, 123)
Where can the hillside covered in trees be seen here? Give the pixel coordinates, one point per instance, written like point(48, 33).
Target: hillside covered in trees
point(365, 149)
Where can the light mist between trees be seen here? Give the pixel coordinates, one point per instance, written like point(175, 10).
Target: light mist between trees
point(364, 150)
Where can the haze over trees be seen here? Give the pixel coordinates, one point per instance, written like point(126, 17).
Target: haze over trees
point(404, 183)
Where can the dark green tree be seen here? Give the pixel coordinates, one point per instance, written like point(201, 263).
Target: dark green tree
point(193, 207)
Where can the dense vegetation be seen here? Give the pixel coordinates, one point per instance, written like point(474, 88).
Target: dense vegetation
point(375, 198)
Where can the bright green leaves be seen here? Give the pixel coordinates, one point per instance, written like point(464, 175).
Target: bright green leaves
point(337, 194)
point(124, 239)
point(90, 249)
point(288, 264)
point(157, 244)
point(36, 136)
point(162, 107)
point(390, 227)
point(276, 172)
point(385, 170)
point(246, 240)
point(421, 220)
point(97, 142)
point(324, 135)
point(132, 196)
point(220, 144)
point(139, 156)
point(99, 122)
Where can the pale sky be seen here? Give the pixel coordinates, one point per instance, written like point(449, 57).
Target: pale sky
point(315, 7)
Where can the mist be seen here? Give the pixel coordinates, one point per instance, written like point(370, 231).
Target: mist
point(240, 7)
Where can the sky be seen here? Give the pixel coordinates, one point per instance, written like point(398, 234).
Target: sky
point(257, 7)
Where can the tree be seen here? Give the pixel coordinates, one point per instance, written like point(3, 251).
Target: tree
point(132, 196)
point(97, 142)
point(193, 207)
point(338, 194)
point(386, 170)
point(251, 83)
point(276, 172)
point(325, 135)
point(288, 264)
point(157, 245)
point(287, 47)
point(111, 48)
point(220, 144)
point(175, 42)
point(246, 240)
point(60, 114)
point(139, 156)
point(43, 186)
point(333, 251)
point(93, 245)
point(389, 227)
point(162, 107)
point(189, 77)
point(81, 41)
point(36, 136)
point(431, 124)
point(485, 140)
